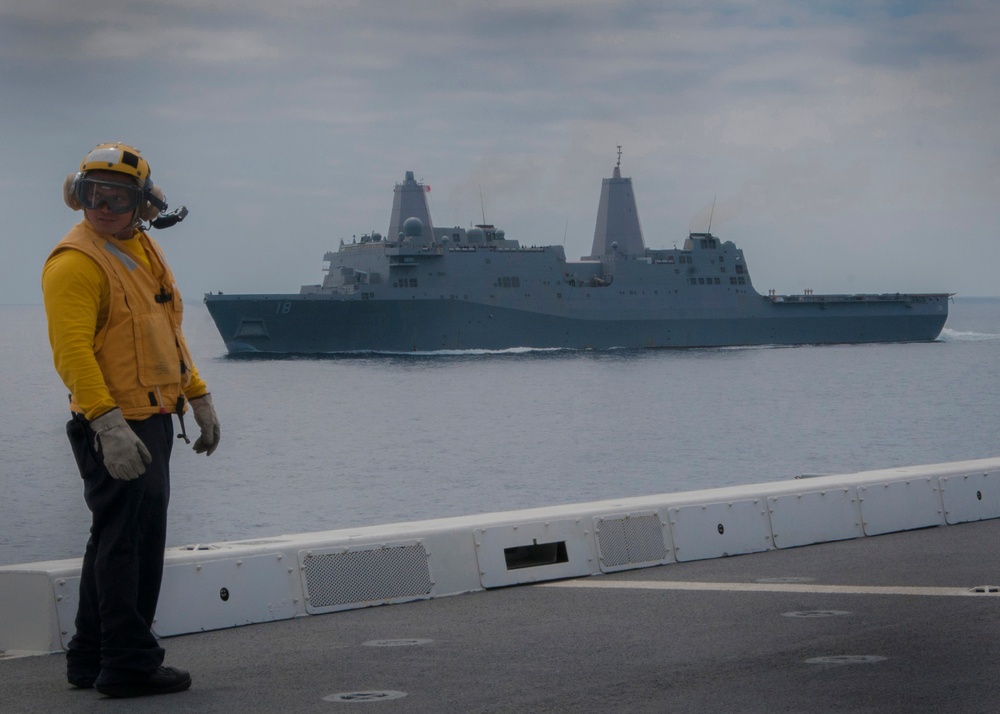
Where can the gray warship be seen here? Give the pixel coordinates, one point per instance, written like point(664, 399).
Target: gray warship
point(422, 288)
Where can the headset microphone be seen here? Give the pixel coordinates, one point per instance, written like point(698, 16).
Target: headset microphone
point(165, 220)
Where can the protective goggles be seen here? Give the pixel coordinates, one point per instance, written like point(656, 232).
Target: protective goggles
point(119, 198)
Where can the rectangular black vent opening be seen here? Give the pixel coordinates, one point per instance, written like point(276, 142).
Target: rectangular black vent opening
point(535, 555)
point(251, 328)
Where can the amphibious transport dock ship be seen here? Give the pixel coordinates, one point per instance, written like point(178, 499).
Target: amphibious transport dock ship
point(423, 289)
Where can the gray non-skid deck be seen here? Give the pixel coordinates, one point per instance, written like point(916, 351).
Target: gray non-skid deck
point(736, 634)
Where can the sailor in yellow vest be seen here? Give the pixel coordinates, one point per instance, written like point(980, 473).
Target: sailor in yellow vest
point(114, 318)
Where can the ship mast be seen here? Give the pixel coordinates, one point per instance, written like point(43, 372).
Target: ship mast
point(617, 217)
point(409, 200)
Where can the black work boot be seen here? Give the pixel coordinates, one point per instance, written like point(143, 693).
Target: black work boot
point(164, 680)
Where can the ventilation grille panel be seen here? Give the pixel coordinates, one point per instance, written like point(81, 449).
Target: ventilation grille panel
point(339, 579)
point(630, 540)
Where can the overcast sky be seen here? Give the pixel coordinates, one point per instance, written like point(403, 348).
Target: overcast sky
point(848, 146)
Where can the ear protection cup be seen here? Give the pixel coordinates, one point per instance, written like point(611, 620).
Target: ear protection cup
point(152, 208)
point(69, 193)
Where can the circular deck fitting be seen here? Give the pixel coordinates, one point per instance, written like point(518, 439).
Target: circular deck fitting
point(374, 696)
point(846, 659)
point(791, 579)
point(396, 643)
point(815, 613)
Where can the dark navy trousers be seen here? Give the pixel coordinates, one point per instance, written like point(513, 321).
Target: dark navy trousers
point(123, 562)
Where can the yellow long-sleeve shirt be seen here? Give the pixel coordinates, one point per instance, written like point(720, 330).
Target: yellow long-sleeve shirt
point(77, 298)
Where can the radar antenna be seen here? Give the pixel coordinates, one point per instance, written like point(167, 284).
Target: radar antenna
point(618, 165)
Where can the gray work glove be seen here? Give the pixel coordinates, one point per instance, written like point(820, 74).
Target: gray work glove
point(125, 456)
point(204, 416)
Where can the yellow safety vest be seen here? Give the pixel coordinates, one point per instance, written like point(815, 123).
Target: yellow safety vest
point(140, 348)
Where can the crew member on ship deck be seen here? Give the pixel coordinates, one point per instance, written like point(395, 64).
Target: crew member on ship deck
point(114, 319)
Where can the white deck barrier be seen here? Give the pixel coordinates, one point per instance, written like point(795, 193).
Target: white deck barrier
point(208, 587)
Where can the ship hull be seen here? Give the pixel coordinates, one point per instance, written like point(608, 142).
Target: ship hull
point(321, 324)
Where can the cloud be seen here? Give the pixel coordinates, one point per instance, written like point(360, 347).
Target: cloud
point(774, 128)
point(186, 43)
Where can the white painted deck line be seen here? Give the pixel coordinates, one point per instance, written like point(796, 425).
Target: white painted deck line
point(799, 588)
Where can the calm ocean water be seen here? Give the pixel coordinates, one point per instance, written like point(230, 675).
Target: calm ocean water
point(319, 444)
